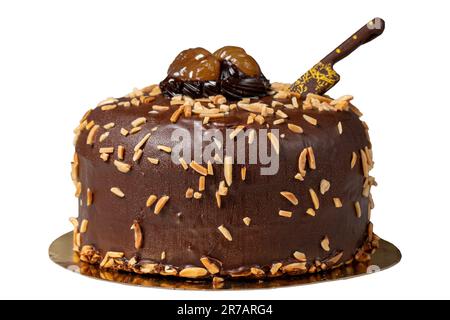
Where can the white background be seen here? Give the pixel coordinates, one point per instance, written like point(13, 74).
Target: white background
point(57, 58)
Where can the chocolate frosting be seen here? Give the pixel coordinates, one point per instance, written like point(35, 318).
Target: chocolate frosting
point(186, 229)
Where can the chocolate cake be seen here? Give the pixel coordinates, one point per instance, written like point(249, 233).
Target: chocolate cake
point(149, 204)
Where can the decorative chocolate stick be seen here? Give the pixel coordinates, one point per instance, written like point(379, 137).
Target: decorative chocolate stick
point(322, 77)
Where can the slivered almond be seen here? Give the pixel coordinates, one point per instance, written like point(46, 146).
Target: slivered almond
point(209, 265)
point(89, 197)
point(314, 199)
point(275, 267)
point(183, 163)
point(236, 131)
point(243, 173)
point(103, 136)
point(142, 142)
point(210, 168)
point(275, 142)
point(137, 155)
point(310, 120)
point(284, 213)
point(91, 135)
point(164, 148)
point(339, 126)
point(201, 183)
point(84, 226)
point(311, 158)
point(290, 196)
point(358, 209)
point(106, 150)
point(104, 156)
point(176, 114)
point(295, 102)
point(279, 121)
point(247, 221)
point(135, 130)
point(311, 212)
point(121, 152)
point(117, 192)
point(189, 193)
point(193, 272)
point(198, 168)
point(137, 235)
point(302, 162)
point(294, 128)
point(160, 108)
point(108, 107)
point(124, 132)
point(250, 119)
point(138, 122)
point(151, 200)
point(260, 119)
point(295, 267)
point(218, 200)
point(154, 161)
point(300, 256)
point(298, 176)
point(78, 189)
point(354, 159)
point(122, 167)
point(281, 114)
point(364, 163)
point(160, 204)
point(325, 244)
point(228, 169)
point(223, 190)
point(109, 126)
point(225, 232)
point(324, 186)
point(107, 101)
point(337, 202)
point(197, 195)
point(74, 222)
point(187, 111)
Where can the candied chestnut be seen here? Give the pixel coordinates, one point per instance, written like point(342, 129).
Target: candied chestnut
point(195, 64)
point(238, 57)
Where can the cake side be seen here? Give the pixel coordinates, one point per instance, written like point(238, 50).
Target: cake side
point(140, 211)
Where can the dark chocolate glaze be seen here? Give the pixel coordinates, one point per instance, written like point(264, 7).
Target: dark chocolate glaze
point(186, 229)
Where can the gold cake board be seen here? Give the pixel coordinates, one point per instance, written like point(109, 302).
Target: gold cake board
point(60, 252)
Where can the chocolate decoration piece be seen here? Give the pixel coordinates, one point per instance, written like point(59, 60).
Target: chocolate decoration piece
point(230, 72)
point(322, 77)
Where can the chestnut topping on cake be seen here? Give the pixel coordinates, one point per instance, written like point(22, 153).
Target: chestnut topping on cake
point(230, 71)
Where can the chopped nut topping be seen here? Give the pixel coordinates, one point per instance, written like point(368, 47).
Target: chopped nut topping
point(155, 91)
point(275, 142)
point(103, 136)
point(294, 128)
point(124, 132)
point(257, 271)
point(163, 255)
point(84, 226)
point(117, 192)
point(107, 101)
point(137, 235)
point(295, 102)
point(160, 204)
point(339, 126)
point(197, 195)
point(137, 155)
point(302, 162)
point(300, 256)
point(160, 108)
point(89, 197)
point(201, 183)
point(91, 135)
point(228, 170)
point(135, 102)
point(337, 202)
point(78, 189)
point(122, 167)
point(108, 107)
point(295, 267)
point(106, 150)
point(247, 221)
point(193, 272)
point(109, 126)
point(314, 198)
point(104, 156)
point(364, 163)
point(250, 119)
point(189, 193)
point(218, 199)
point(298, 176)
point(358, 209)
point(290, 196)
point(243, 173)
point(223, 189)
point(225, 233)
point(183, 163)
point(284, 213)
point(236, 131)
point(281, 114)
point(311, 212)
point(209, 265)
point(142, 142)
point(279, 121)
point(311, 158)
point(275, 267)
point(121, 152)
point(198, 168)
point(325, 244)
point(260, 119)
point(324, 186)
point(138, 122)
point(210, 168)
point(354, 159)
point(310, 120)
point(135, 130)
point(151, 200)
point(176, 114)
point(89, 125)
point(153, 160)
point(164, 148)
